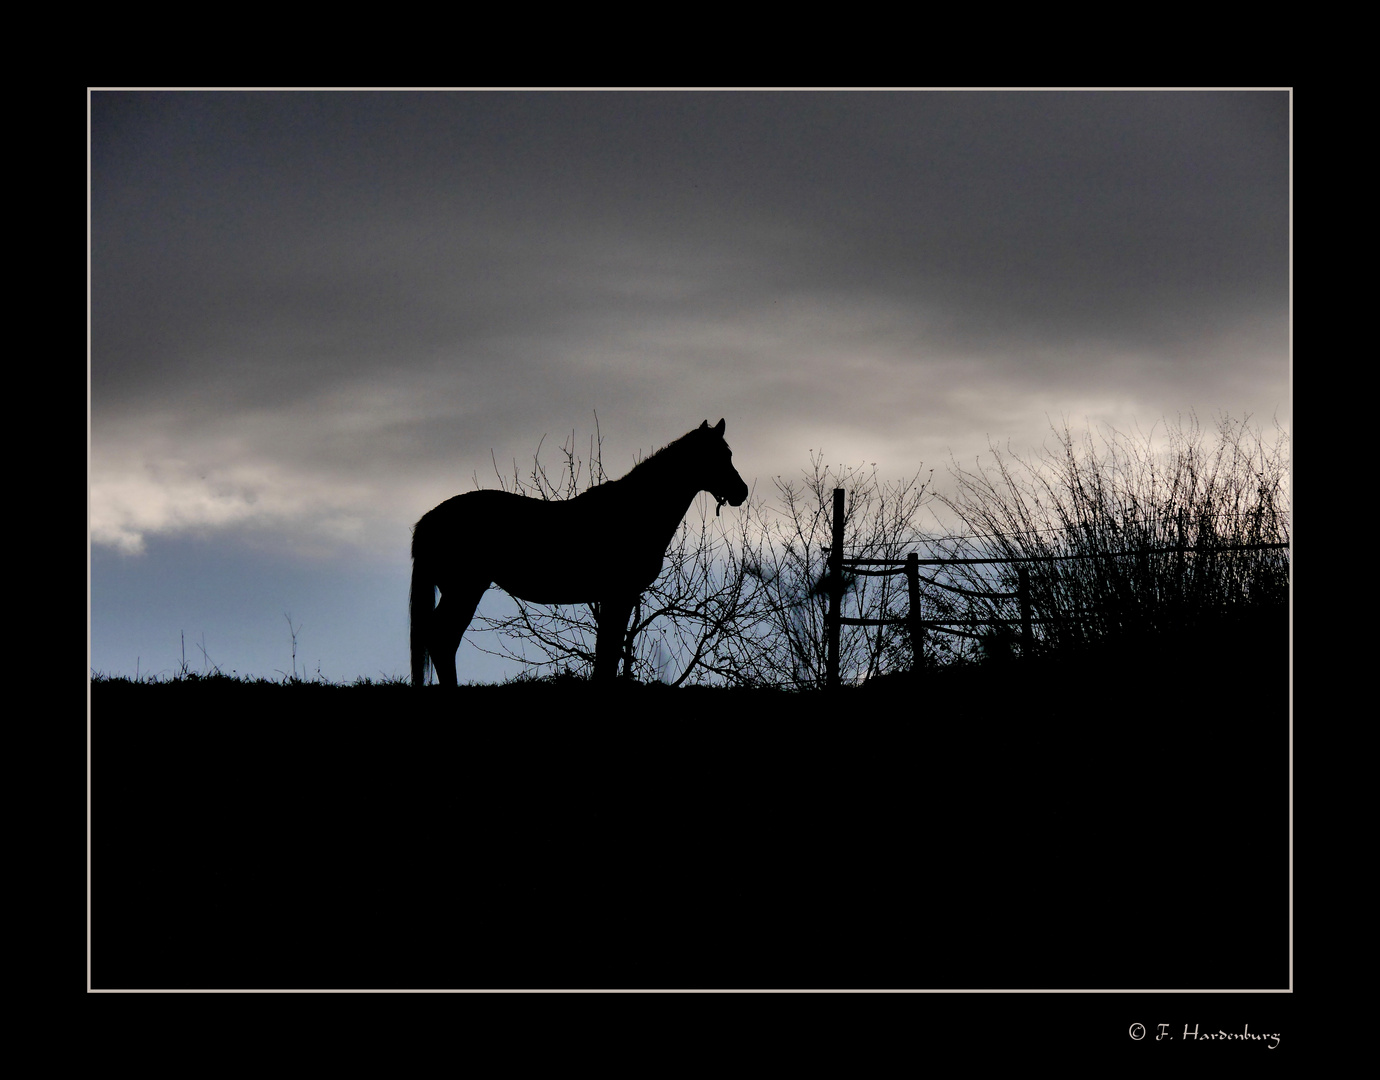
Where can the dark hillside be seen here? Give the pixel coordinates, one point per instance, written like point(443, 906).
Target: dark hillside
point(1115, 823)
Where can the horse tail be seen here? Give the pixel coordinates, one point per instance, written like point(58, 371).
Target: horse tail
point(421, 602)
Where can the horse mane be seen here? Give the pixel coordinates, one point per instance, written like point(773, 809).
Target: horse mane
point(655, 462)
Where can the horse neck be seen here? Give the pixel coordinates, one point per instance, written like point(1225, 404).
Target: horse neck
point(663, 494)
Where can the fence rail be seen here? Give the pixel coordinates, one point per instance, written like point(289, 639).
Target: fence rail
point(910, 566)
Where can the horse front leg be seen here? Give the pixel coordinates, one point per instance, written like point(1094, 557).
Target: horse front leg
point(613, 632)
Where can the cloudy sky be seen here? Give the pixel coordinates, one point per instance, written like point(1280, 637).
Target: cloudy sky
point(316, 315)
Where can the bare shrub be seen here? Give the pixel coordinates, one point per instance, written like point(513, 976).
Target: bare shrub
point(786, 642)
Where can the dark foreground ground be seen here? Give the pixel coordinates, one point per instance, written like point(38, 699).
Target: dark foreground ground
point(1116, 825)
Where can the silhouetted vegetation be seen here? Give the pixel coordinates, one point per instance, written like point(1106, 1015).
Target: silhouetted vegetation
point(1126, 541)
point(1123, 540)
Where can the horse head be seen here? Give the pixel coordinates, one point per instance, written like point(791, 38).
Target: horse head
point(721, 479)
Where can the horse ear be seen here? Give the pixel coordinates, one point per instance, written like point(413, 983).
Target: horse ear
point(719, 427)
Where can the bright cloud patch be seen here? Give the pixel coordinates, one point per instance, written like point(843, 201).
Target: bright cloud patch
point(131, 499)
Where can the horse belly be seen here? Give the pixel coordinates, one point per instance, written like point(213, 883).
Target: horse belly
point(571, 573)
point(562, 582)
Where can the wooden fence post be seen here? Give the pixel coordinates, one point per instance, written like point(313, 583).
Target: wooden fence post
point(835, 590)
point(1027, 631)
point(913, 617)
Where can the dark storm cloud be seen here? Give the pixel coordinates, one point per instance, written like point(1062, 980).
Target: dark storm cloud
point(417, 221)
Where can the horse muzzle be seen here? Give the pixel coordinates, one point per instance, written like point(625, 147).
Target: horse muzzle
point(736, 499)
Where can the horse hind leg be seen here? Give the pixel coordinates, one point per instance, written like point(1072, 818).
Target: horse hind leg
point(448, 625)
point(611, 637)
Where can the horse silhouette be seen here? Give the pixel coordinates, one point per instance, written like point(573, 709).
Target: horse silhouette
point(604, 547)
